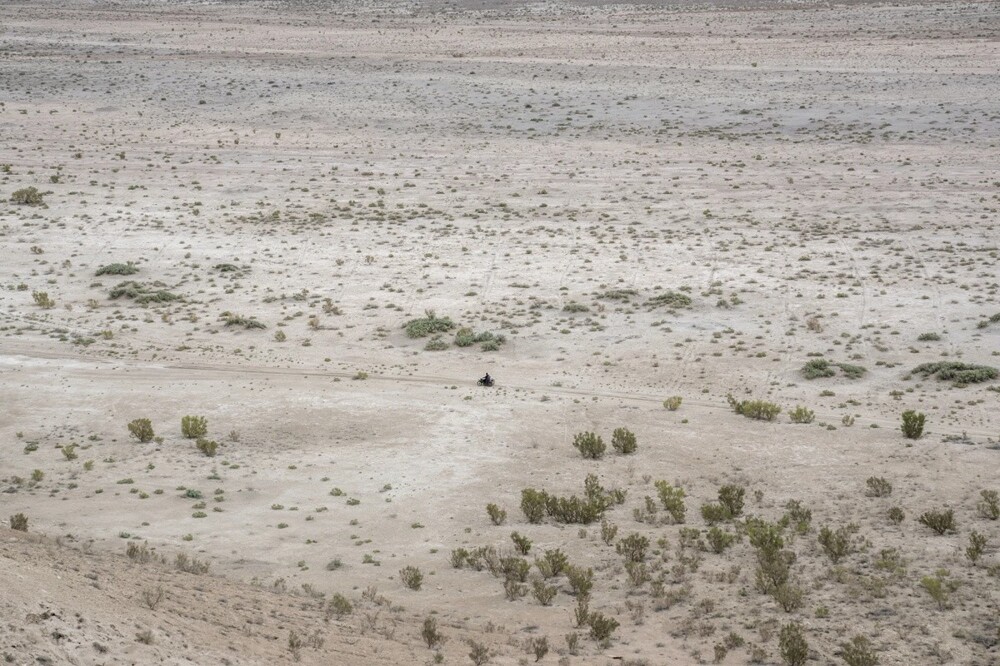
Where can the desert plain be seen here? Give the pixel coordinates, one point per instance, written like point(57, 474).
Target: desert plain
point(316, 224)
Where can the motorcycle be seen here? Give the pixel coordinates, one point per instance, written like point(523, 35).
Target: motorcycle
point(486, 381)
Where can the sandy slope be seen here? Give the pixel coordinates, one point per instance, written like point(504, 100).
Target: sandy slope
point(821, 182)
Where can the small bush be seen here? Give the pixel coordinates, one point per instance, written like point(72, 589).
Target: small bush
point(141, 293)
point(913, 424)
point(478, 653)
point(428, 325)
point(533, 504)
point(27, 196)
point(338, 606)
point(878, 487)
point(142, 430)
point(432, 637)
point(138, 552)
point(817, 368)
point(581, 581)
point(859, 652)
point(896, 514)
point(555, 562)
point(522, 544)
point(669, 299)
point(928, 337)
point(713, 513)
point(672, 500)
point(977, 546)
point(19, 522)
point(193, 427)
point(118, 269)
point(207, 446)
point(673, 403)
point(760, 410)
point(496, 514)
point(608, 532)
point(589, 445)
point(802, 414)
point(989, 506)
point(633, 547)
point(959, 373)
point(939, 521)
point(792, 645)
point(43, 300)
point(719, 540)
point(623, 441)
point(601, 627)
point(249, 323)
point(411, 577)
point(939, 588)
point(836, 543)
point(544, 594)
point(731, 497)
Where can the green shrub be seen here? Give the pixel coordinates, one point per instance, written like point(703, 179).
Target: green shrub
point(118, 269)
point(939, 521)
point(428, 325)
point(142, 430)
point(760, 410)
point(207, 446)
point(608, 532)
point(193, 427)
point(977, 546)
point(928, 337)
point(672, 500)
point(589, 445)
point(623, 441)
point(669, 299)
point(731, 497)
point(817, 368)
point(673, 403)
point(27, 196)
point(713, 513)
point(411, 577)
point(339, 606)
point(896, 514)
point(719, 540)
point(959, 373)
point(436, 344)
point(432, 637)
point(858, 652)
point(581, 581)
point(878, 487)
point(913, 424)
point(544, 594)
point(836, 543)
point(19, 522)
point(466, 337)
point(633, 547)
point(533, 503)
point(249, 323)
point(43, 300)
point(989, 505)
point(522, 544)
point(553, 563)
point(601, 627)
point(141, 293)
point(792, 645)
point(478, 653)
point(802, 414)
point(820, 368)
point(939, 588)
point(497, 515)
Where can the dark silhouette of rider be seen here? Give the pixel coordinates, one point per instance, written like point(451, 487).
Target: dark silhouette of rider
point(487, 379)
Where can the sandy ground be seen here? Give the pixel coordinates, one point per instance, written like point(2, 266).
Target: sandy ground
point(820, 182)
